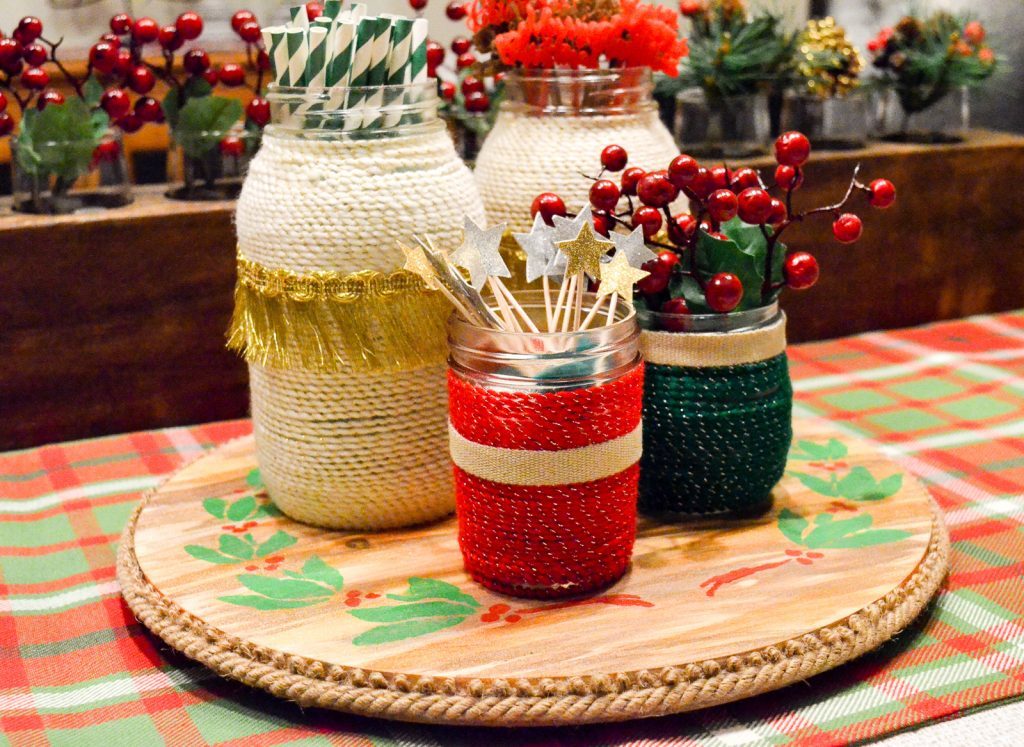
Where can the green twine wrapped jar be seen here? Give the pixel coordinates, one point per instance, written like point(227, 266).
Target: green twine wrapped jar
point(718, 406)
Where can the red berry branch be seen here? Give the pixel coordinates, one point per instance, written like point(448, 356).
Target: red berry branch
point(725, 252)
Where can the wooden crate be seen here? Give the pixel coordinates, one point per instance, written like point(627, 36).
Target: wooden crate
point(114, 322)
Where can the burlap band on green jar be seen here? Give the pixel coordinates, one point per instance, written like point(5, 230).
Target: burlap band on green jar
point(717, 424)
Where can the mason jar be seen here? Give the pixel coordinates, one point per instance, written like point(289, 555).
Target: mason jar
point(70, 176)
point(947, 120)
point(346, 349)
point(553, 124)
point(718, 405)
point(210, 165)
point(839, 122)
point(722, 126)
point(545, 435)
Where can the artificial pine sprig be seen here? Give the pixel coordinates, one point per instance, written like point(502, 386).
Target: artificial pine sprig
point(731, 52)
point(923, 60)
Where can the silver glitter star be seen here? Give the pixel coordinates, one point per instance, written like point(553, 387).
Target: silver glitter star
point(538, 247)
point(633, 246)
point(479, 253)
point(567, 229)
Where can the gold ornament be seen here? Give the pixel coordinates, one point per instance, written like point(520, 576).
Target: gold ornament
point(331, 321)
point(584, 252)
point(618, 276)
point(829, 63)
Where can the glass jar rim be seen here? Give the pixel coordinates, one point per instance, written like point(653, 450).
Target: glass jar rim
point(428, 87)
point(577, 73)
point(697, 323)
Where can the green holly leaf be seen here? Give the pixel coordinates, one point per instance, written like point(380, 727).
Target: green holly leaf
point(317, 570)
point(204, 121)
point(868, 538)
point(278, 541)
point(235, 547)
point(793, 525)
point(215, 507)
point(171, 106)
point(268, 510)
point(429, 588)
point(411, 611)
point(827, 529)
point(715, 255)
point(60, 140)
point(283, 588)
point(197, 88)
point(254, 479)
point(92, 91)
point(208, 555)
point(817, 484)
point(809, 451)
point(403, 630)
point(243, 508)
point(264, 603)
point(860, 485)
point(686, 287)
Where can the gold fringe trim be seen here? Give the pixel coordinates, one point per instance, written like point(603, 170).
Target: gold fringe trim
point(328, 321)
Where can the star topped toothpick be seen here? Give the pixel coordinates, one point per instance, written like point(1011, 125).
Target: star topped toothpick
point(480, 253)
point(566, 229)
point(618, 277)
point(417, 263)
point(633, 246)
point(538, 247)
point(584, 252)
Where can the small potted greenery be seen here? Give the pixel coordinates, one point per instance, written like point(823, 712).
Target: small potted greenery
point(66, 155)
point(827, 100)
point(926, 69)
point(721, 93)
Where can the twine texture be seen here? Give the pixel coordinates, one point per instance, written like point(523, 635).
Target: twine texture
point(549, 701)
point(348, 445)
point(525, 155)
point(522, 530)
point(716, 435)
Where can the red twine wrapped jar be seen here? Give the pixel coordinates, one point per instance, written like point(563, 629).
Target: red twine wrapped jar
point(545, 434)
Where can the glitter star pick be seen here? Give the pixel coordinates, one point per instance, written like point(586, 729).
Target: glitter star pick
point(633, 246)
point(618, 276)
point(566, 229)
point(416, 262)
point(584, 252)
point(538, 247)
point(480, 255)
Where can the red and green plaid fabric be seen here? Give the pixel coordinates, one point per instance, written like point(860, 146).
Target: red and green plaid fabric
point(945, 401)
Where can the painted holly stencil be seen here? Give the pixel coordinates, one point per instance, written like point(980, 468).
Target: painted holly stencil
point(316, 583)
point(427, 606)
point(857, 484)
point(234, 549)
point(825, 531)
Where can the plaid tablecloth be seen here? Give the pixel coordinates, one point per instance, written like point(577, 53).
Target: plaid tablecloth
point(944, 401)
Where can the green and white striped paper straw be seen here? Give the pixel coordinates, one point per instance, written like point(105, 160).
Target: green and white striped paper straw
point(298, 53)
point(418, 54)
point(332, 9)
point(358, 11)
point(299, 16)
point(362, 55)
point(277, 50)
point(399, 57)
point(316, 62)
point(377, 75)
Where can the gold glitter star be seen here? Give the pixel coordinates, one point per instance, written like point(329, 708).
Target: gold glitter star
point(416, 262)
point(584, 252)
point(618, 276)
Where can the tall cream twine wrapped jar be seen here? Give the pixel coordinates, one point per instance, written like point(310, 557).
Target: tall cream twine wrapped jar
point(346, 350)
point(553, 124)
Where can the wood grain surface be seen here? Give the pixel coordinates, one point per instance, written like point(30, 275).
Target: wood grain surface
point(695, 591)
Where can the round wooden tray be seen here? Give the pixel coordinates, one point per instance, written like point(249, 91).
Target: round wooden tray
point(388, 624)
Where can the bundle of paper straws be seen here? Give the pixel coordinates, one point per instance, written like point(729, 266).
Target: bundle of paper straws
point(346, 48)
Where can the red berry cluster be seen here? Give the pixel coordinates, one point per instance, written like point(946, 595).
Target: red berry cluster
point(118, 59)
point(716, 195)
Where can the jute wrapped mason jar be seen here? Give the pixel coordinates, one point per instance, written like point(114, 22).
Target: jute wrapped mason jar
point(346, 350)
point(554, 124)
point(718, 410)
point(545, 437)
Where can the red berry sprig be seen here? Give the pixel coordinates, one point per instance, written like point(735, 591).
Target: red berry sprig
point(716, 196)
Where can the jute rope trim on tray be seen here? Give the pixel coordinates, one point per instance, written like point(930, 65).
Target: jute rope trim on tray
point(530, 701)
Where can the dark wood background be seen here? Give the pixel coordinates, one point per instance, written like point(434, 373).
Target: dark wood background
point(115, 322)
